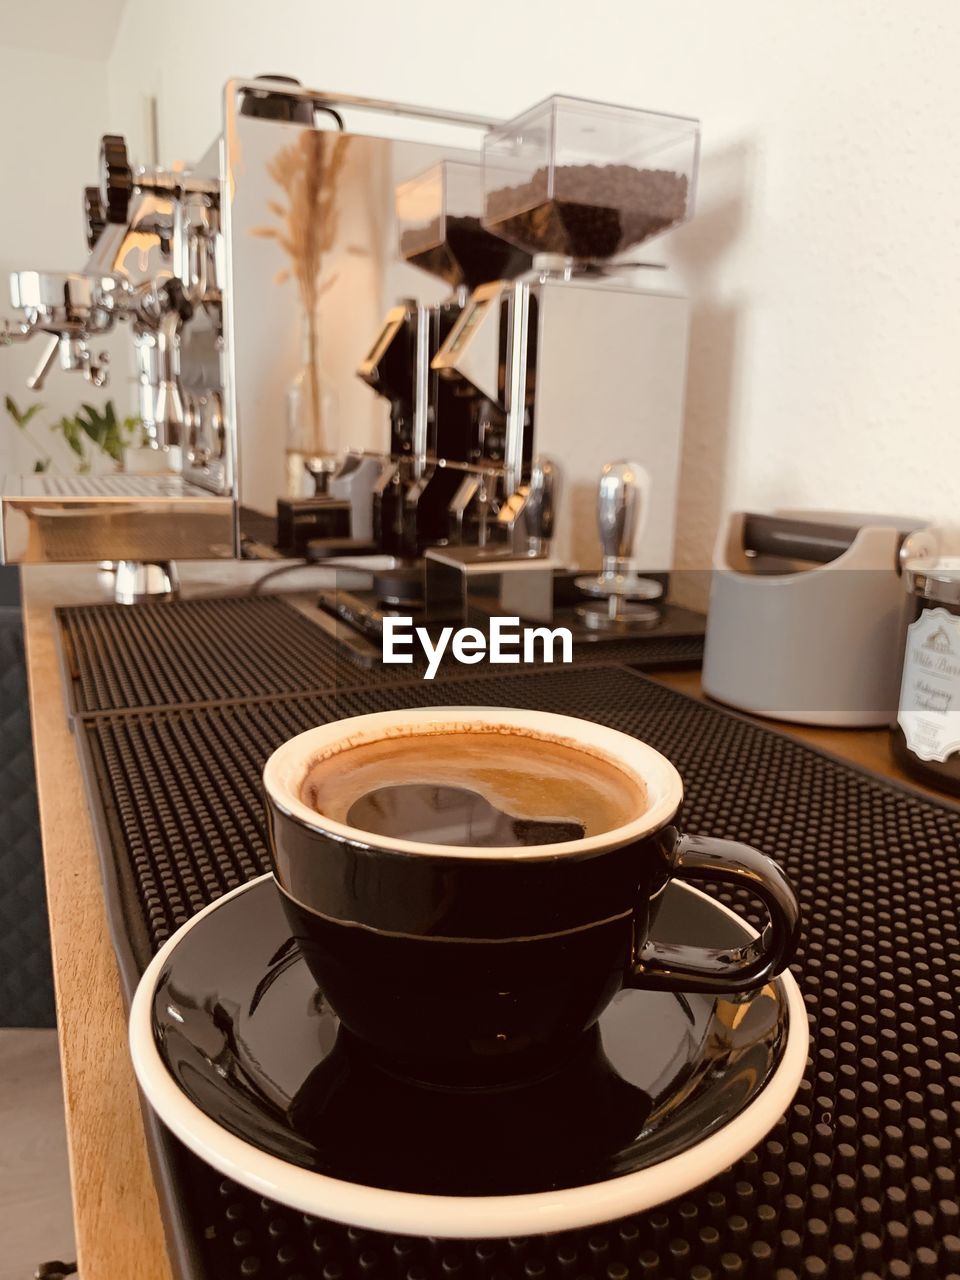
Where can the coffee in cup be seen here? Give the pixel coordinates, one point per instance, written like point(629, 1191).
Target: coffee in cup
point(472, 788)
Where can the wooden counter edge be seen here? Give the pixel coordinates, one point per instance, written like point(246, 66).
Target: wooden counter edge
point(117, 1220)
point(866, 748)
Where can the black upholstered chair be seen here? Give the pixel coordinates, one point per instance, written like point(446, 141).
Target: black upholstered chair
point(26, 984)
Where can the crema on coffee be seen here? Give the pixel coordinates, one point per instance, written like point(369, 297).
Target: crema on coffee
point(482, 787)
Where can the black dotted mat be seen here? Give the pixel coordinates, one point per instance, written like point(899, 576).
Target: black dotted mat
point(199, 651)
point(859, 1179)
point(209, 650)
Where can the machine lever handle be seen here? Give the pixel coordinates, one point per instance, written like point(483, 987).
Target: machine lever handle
point(43, 366)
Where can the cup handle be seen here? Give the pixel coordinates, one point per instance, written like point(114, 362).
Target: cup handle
point(675, 967)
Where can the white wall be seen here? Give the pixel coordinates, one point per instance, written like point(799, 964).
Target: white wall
point(823, 261)
point(53, 110)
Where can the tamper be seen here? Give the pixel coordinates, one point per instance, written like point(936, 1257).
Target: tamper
point(622, 503)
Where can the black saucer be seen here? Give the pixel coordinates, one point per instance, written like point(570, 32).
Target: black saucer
point(239, 1024)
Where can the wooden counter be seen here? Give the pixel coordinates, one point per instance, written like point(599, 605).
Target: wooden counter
point(116, 1215)
point(118, 1227)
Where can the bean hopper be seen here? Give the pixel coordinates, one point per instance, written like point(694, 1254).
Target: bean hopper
point(584, 356)
point(434, 486)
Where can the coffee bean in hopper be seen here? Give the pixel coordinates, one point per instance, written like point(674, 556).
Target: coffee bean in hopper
point(596, 209)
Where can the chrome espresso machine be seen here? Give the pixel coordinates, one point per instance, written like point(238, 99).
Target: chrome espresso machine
point(519, 411)
point(155, 264)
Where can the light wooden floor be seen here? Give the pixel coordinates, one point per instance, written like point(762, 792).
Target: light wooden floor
point(36, 1222)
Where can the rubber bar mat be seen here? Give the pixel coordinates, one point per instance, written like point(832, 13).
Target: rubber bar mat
point(859, 1179)
point(210, 650)
point(197, 651)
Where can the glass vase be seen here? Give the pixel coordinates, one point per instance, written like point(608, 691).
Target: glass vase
point(311, 413)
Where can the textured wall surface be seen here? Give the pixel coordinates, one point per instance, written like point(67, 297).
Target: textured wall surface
point(53, 109)
point(823, 260)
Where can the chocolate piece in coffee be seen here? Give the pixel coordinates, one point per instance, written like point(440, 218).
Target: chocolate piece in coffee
point(596, 209)
point(468, 254)
point(477, 788)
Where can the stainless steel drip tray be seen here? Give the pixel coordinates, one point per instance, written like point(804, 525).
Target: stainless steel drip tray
point(55, 519)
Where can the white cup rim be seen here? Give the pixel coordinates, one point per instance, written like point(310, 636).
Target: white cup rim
point(285, 770)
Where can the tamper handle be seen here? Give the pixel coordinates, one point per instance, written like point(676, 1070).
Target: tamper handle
point(622, 503)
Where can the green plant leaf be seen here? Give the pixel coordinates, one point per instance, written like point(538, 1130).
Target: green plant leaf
point(20, 416)
point(132, 431)
point(70, 429)
point(91, 425)
point(41, 465)
point(112, 446)
point(104, 430)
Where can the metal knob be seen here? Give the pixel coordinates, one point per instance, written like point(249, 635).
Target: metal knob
point(540, 507)
point(621, 510)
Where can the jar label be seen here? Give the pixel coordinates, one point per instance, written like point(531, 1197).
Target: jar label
point(929, 712)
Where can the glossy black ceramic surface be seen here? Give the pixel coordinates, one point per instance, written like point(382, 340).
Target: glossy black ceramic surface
point(354, 881)
point(249, 1038)
point(478, 970)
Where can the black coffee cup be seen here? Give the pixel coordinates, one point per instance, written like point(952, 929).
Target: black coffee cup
point(483, 966)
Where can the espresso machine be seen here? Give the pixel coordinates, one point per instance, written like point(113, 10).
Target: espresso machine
point(439, 482)
point(152, 236)
point(155, 265)
point(173, 256)
point(585, 354)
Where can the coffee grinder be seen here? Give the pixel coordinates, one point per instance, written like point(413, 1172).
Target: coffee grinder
point(585, 354)
point(431, 488)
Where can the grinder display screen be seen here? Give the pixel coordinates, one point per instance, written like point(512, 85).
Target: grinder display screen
point(387, 334)
point(469, 323)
